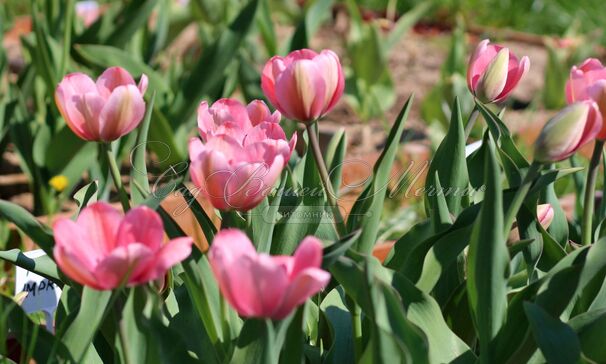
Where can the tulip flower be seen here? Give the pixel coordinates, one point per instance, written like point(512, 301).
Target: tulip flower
point(588, 82)
point(304, 85)
point(245, 151)
point(264, 286)
point(545, 215)
point(88, 11)
point(570, 129)
point(103, 249)
point(103, 110)
point(494, 72)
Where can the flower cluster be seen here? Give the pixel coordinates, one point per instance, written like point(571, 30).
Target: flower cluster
point(239, 156)
point(236, 161)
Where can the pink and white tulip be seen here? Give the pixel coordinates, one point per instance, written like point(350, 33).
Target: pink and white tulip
point(103, 249)
point(243, 154)
point(574, 126)
point(264, 286)
point(494, 72)
point(304, 85)
point(545, 215)
point(103, 110)
point(588, 82)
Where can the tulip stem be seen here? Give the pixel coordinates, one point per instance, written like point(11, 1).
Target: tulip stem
point(518, 198)
point(472, 121)
point(225, 320)
point(330, 195)
point(589, 199)
point(357, 332)
point(115, 173)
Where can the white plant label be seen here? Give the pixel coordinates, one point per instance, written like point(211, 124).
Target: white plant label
point(42, 294)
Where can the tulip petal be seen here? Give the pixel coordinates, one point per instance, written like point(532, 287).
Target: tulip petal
point(142, 225)
point(74, 268)
point(478, 62)
point(513, 77)
point(122, 113)
point(112, 78)
point(122, 264)
point(307, 255)
point(101, 222)
point(258, 113)
point(270, 283)
point(69, 100)
point(307, 283)
point(271, 70)
point(494, 78)
point(333, 77)
point(143, 82)
point(167, 256)
point(264, 131)
point(225, 256)
point(302, 90)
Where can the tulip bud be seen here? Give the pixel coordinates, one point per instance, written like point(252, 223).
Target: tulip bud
point(264, 286)
point(545, 215)
point(494, 72)
point(588, 82)
point(304, 85)
point(566, 132)
point(103, 110)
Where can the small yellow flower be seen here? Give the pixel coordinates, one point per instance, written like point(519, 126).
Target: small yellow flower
point(59, 183)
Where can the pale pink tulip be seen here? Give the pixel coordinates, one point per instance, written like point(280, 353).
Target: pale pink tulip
point(103, 249)
point(304, 85)
point(545, 215)
point(494, 72)
point(88, 11)
point(245, 151)
point(260, 285)
point(588, 82)
point(101, 111)
point(570, 129)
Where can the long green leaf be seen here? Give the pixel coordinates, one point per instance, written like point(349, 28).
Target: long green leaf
point(367, 211)
point(42, 265)
point(81, 332)
point(138, 172)
point(39, 233)
point(557, 341)
point(488, 260)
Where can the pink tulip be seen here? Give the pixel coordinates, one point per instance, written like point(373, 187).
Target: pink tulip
point(545, 215)
point(588, 81)
point(260, 285)
point(494, 72)
point(304, 85)
point(245, 151)
point(103, 249)
point(570, 129)
point(88, 11)
point(105, 110)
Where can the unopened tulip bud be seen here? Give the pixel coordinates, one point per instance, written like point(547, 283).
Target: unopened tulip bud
point(573, 127)
point(494, 72)
point(304, 85)
point(545, 215)
point(103, 110)
point(588, 82)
